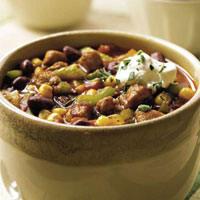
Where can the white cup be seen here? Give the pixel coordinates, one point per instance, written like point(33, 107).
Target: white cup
point(49, 14)
point(175, 20)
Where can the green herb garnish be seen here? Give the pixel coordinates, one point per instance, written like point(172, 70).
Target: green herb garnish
point(69, 102)
point(131, 76)
point(138, 79)
point(162, 68)
point(144, 108)
point(139, 52)
point(117, 81)
point(157, 85)
point(151, 67)
point(126, 88)
point(142, 60)
point(104, 74)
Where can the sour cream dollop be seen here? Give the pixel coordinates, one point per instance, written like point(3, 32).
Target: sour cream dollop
point(147, 71)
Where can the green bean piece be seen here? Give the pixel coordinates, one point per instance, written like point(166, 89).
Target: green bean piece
point(164, 108)
point(101, 93)
point(71, 72)
point(64, 88)
point(93, 75)
point(174, 88)
point(12, 74)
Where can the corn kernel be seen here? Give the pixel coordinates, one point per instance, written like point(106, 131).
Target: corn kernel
point(110, 81)
point(60, 111)
point(32, 87)
point(15, 98)
point(46, 90)
point(110, 120)
point(186, 93)
point(127, 114)
point(91, 92)
point(163, 97)
point(102, 121)
point(38, 70)
point(68, 117)
point(80, 89)
point(44, 114)
point(76, 83)
point(36, 62)
point(55, 117)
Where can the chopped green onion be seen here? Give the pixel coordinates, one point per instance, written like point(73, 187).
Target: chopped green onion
point(144, 108)
point(104, 74)
point(138, 79)
point(69, 102)
point(162, 68)
point(157, 85)
point(131, 76)
point(125, 88)
point(142, 59)
point(139, 52)
point(117, 81)
point(151, 67)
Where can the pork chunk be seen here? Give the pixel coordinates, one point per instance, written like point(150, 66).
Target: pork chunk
point(82, 110)
point(134, 96)
point(106, 106)
point(141, 116)
point(91, 60)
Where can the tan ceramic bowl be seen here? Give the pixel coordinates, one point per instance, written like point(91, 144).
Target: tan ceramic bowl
point(49, 14)
point(154, 160)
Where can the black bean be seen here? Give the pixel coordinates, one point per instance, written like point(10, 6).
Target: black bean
point(82, 123)
point(27, 67)
point(158, 56)
point(71, 53)
point(111, 67)
point(38, 103)
point(20, 82)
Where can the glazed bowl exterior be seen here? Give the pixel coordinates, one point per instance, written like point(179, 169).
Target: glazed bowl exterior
point(49, 14)
point(156, 159)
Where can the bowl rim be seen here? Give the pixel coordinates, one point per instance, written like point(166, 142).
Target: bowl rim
point(192, 102)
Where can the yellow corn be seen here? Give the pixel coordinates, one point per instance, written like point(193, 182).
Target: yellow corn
point(32, 87)
point(110, 81)
point(80, 89)
point(36, 62)
point(15, 98)
point(68, 117)
point(60, 111)
point(163, 97)
point(91, 92)
point(44, 114)
point(76, 83)
point(127, 114)
point(186, 93)
point(54, 117)
point(38, 70)
point(110, 120)
point(46, 90)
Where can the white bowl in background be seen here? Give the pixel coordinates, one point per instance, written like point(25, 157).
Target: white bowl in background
point(173, 20)
point(49, 14)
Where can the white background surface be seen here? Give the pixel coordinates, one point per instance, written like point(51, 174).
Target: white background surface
point(105, 14)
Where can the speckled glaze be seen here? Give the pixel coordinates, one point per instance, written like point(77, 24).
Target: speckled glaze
point(154, 160)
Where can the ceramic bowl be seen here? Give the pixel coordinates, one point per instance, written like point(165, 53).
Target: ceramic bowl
point(173, 20)
point(49, 14)
point(156, 159)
